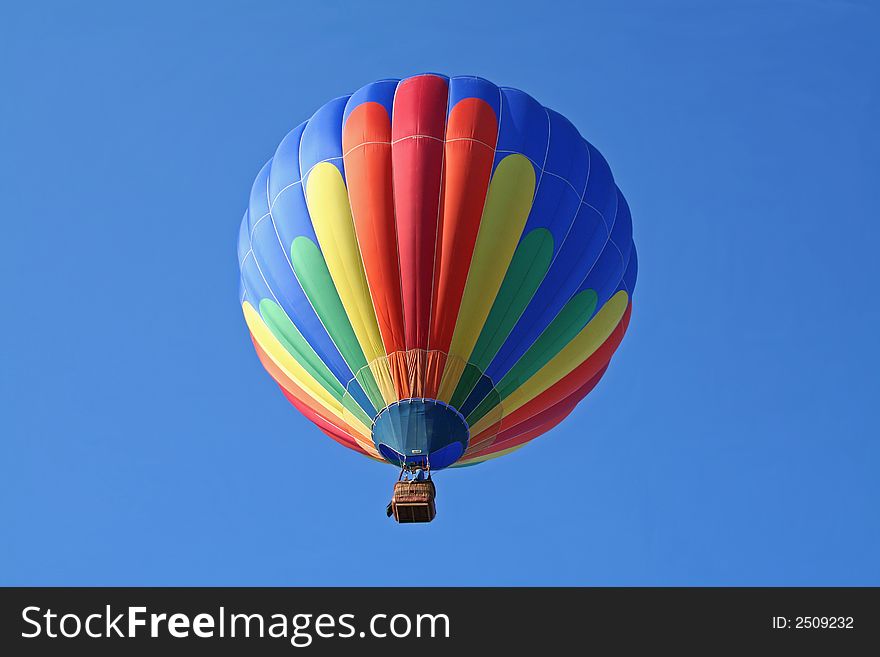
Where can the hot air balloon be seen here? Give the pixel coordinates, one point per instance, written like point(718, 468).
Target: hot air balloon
point(435, 271)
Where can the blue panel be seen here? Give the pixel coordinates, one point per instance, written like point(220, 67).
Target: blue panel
point(601, 191)
point(606, 274)
point(446, 456)
point(285, 163)
point(420, 430)
point(268, 273)
point(483, 388)
point(244, 253)
point(255, 287)
point(561, 182)
point(258, 203)
point(381, 92)
point(524, 127)
point(629, 277)
point(568, 156)
point(289, 207)
point(322, 138)
point(461, 87)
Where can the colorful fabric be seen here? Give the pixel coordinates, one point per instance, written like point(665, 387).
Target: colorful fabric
point(442, 240)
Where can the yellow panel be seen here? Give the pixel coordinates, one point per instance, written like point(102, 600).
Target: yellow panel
point(382, 375)
point(572, 355)
point(327, 200)
point(508, 203)
point(291, 368)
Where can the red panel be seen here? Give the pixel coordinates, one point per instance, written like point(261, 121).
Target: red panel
point(471, 134)
point(366, 142)
point(415, 372)
point(418, 127)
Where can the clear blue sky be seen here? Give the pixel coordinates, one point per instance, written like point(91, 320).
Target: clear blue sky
point(733, 441)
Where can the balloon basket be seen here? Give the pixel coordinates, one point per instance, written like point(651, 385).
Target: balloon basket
point(413, 501)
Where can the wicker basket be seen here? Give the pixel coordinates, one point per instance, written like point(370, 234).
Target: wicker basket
point(413, 501)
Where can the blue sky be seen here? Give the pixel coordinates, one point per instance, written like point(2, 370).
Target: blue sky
point(733, 441)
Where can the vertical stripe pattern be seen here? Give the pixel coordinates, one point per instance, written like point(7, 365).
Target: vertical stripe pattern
point(441, 243)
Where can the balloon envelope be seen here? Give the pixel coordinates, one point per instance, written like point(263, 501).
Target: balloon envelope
point(436, 269)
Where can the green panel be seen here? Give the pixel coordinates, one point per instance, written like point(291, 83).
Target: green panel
point(296, 345)
point(568, 323)
point(527, 269)
point(314, 277)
